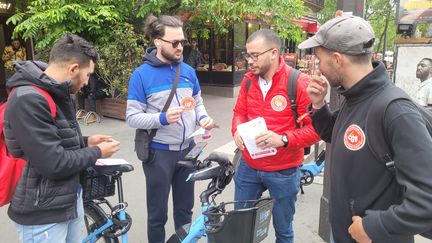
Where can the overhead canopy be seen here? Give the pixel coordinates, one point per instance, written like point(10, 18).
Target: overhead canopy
point(307, 24)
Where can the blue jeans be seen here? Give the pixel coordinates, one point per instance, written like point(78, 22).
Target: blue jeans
point(283, 187)
point(70, 231)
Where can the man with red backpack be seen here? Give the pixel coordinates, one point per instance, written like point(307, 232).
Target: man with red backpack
point(47, 204)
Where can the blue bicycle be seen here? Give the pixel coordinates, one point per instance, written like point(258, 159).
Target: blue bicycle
point(215, 222)
point(310, 170)
point(98, 184)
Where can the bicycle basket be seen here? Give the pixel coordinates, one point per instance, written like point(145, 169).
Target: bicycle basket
point(250, 224)
point(96, 186)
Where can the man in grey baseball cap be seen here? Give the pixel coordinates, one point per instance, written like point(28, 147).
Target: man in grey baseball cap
point(348, 34)
point(369, 202)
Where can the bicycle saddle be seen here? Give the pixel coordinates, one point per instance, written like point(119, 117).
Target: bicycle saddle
point(113, 169)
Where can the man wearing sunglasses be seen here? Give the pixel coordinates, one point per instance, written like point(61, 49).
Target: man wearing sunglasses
point(266, 96)
point(149, 88)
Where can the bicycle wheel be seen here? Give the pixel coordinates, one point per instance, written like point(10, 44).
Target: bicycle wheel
point(94, 218)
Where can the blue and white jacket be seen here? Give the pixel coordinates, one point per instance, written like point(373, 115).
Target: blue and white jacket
point(149, 88)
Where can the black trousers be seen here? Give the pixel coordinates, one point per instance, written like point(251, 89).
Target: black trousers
point(162, 172)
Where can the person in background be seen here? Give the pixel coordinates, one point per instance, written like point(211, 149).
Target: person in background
point(11, 53)
point(149, 88)
point(378, 57)
point(423, 95)
point(93, 91)
point(194, 59)
point(47, 203)
point(267, 97)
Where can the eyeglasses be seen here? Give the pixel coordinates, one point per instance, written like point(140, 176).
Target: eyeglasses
point(175, 43)
point(254, 56)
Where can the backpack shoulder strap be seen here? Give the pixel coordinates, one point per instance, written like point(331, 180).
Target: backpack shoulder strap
point(292, 92)
point(50, 100)
point(248, 84)
point(374, 126)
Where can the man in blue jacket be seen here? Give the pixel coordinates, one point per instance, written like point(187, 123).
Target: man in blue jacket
point(149, 88)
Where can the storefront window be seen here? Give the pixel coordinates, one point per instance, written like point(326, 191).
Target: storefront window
point(252, 27)
point(222, 53)
point(239, 36)
point(239, 46)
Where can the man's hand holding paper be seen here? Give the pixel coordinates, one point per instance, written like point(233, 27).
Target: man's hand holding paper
point(254, 134)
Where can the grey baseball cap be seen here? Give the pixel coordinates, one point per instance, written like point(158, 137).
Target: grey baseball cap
point(351, 35)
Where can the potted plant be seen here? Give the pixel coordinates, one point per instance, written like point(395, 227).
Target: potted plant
point(119, 56)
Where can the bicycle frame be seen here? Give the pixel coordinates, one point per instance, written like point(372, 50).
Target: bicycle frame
point(197, 229)
point(91, 238)
point(313, 167)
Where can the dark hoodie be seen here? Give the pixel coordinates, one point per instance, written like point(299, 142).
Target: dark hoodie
point(393, 208)
point(53, 148)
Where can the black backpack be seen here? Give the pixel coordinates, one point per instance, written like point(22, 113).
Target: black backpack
point(292, 95)
point(376, 140)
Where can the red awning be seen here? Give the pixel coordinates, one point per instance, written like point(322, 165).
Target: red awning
point(307, 24)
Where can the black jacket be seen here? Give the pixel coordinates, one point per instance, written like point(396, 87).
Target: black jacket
point(54, 149)
point(393, 208)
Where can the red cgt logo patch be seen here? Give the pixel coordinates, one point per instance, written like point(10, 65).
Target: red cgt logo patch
point(278, 103)
point(354, 138)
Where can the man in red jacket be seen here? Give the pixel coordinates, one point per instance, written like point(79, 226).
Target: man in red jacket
point(267, 97)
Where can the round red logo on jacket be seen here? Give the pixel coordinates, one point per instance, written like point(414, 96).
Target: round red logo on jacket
point(354, 138)
point(278, 103)
point(188, 103)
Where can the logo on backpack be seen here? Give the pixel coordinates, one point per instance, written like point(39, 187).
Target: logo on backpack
point(354, 138)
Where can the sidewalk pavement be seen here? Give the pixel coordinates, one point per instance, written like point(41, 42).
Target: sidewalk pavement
point(306, 219)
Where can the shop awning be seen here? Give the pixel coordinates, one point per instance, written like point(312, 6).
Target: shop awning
point(307, 24)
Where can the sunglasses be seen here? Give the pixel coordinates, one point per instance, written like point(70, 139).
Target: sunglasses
point(175, 43)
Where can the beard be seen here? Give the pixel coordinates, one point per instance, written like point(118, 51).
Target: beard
point(170, 57)
point(335, 80)
point(261, 71)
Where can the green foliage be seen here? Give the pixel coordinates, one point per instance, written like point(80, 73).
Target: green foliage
point(382, 16)
point(47, 20)
point(123, 52)
point(220, 15)
point(328, 12)
point(108, 24)
point(380, 13)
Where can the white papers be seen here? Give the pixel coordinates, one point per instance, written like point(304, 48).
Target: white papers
point(199, 131)
point(106, 162)
point(249, 131)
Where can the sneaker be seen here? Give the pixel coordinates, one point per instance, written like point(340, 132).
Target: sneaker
point(80, 114)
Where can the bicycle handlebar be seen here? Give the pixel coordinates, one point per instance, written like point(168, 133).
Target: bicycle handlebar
point(221, 159)
point(221, 174)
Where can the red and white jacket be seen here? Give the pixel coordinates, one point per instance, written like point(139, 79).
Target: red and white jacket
point(276, 111)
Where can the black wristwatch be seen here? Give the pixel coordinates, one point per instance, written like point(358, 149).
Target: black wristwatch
point(284, 139)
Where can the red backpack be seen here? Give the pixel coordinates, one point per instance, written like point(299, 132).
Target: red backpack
point(11, 167)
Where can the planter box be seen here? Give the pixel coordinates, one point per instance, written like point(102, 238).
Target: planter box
point(113, 107)
point(109, 107)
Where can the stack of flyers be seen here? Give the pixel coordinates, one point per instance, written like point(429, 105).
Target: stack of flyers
point(107, 162)
point(248, 132)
